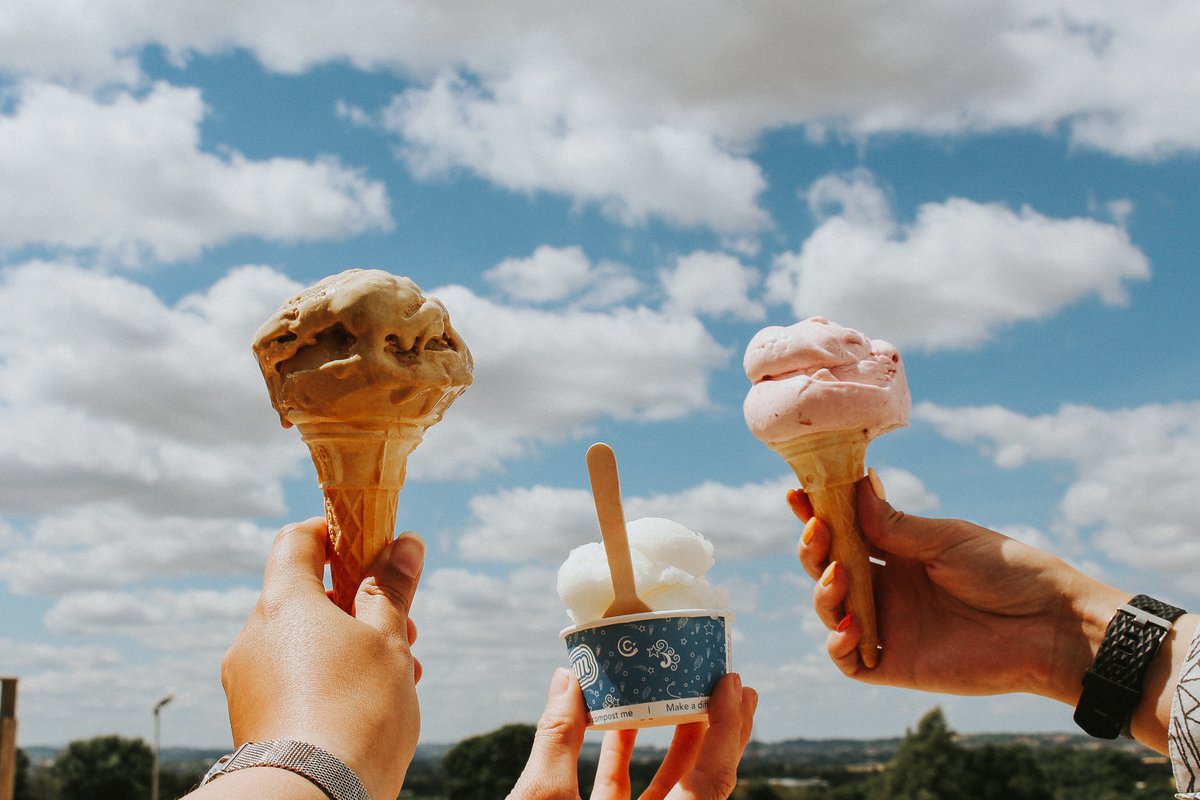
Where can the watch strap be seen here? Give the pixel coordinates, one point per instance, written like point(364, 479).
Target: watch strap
point(1112, 686)
point(319, 766)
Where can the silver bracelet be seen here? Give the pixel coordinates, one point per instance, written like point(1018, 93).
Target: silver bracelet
point(324, 769)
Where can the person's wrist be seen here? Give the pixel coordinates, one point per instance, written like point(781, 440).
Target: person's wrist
point(1087, 608)
point(380, 769)
point(372, 759)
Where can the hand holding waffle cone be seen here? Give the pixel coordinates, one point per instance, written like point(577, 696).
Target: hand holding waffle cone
point(362, 364)
point(820, 393)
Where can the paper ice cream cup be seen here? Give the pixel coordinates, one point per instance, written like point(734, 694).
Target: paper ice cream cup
point(642, 670)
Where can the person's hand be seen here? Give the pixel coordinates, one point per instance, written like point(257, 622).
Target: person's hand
point(961, 609)
point(304, 669)
point(701, 763)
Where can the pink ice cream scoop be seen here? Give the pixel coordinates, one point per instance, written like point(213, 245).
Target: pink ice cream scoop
point(820, 393)
point(817, 376)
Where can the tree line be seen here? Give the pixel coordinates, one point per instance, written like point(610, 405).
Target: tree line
point(930, 763)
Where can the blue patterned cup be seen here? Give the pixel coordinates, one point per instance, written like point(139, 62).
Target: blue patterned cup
point(659, 668)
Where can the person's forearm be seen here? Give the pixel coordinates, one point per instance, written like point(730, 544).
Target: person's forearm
point(263, 782)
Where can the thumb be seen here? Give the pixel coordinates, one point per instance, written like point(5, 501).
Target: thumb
point(552, 770)
point(386, 594)
point(903, 534)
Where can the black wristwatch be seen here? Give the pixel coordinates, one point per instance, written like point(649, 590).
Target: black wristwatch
point(1112, 687)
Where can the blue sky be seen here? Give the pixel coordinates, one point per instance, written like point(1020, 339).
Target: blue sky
point(610, 205)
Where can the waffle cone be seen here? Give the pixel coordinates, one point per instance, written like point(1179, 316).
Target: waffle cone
point(361, 471)
point(828, 466)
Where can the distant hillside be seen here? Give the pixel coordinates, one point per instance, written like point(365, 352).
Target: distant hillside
point(800, 752)
point(851, 752)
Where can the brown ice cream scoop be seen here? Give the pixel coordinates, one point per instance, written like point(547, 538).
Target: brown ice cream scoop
point(362, 345)
point(362, 364)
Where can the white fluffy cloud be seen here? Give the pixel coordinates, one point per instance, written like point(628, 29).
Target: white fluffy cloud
point(125, 176)
point(484, 630)
point(135, 437)
point(717, 284)
point(741, 521)
point(105, 690)
point(1133, 490)
point(953, 276)
point(106, 392)
point(563, 274)
point(171, 621)
point(633, 173)
point(542, 376)
point(108, 547)
point(625, 107)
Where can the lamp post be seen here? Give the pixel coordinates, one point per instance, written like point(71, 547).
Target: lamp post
point(157, 729)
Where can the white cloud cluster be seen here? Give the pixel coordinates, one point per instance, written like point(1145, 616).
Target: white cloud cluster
point(135, 442)
point(104, 546)
point(106, 692)
point(125, 175)
point(715, 284)
point(563, 275)
point(564, 109)
point(544, 375)
point(625, 107)
point(701, 283)
point(107, 392)
point(162, 619)
point(952, 277)
point(741, 521)
point(634, 173)
point(483, 630)
point(1132, 494)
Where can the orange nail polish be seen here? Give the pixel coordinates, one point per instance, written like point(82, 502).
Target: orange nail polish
point(845, 623)
point(799, 503)
point(810, 530)
point(829, 574)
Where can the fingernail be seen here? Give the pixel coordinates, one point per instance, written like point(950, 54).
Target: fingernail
point(845, 623)
point(408, 555)
point(828, 575)
point(876, 484)
point(560, 682)
point(799, 504)
point(810, 530)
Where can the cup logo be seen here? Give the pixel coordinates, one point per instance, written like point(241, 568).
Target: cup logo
point(583, 664)
point(627, 647)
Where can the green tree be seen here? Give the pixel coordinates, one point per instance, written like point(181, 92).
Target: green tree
point(175, 783)
point(759, 789)
point(21, 778)
point(34, 782)
point(929, 764)
point(486, 767)
point(1102, 774)
point(105, 768)
point(1005, 773)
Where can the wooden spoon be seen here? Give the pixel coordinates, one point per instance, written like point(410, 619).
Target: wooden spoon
point(606, 491)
